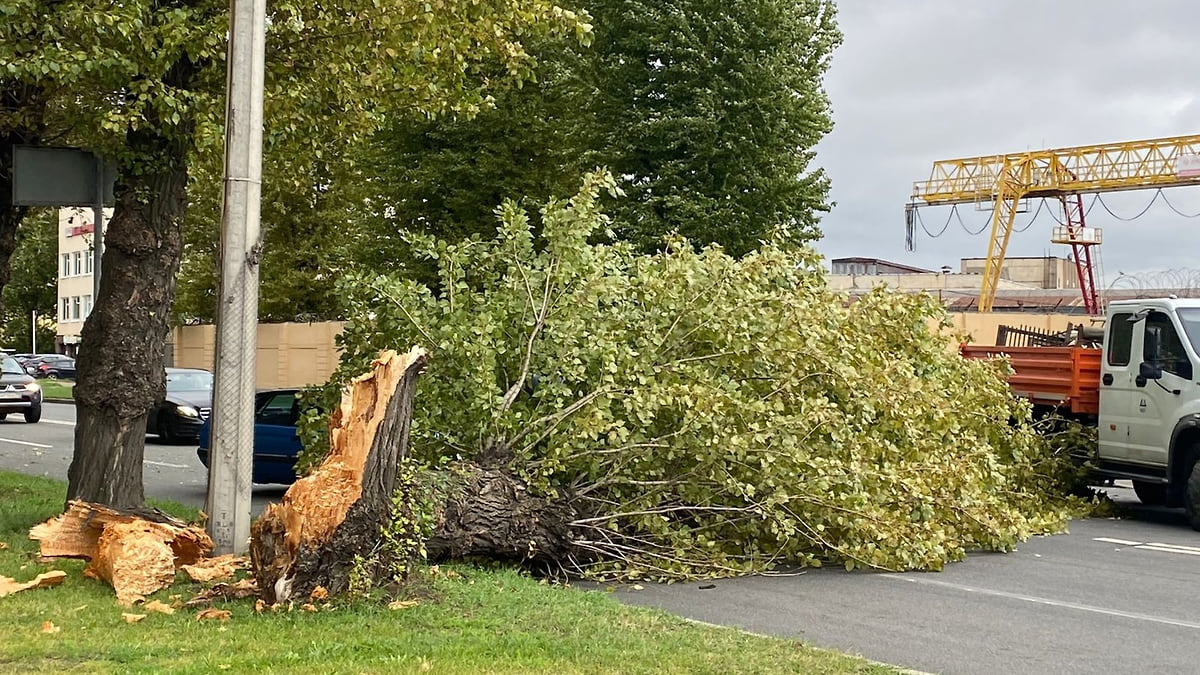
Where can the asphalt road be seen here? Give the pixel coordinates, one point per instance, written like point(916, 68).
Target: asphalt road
point(170, 471)
point(1111, 596)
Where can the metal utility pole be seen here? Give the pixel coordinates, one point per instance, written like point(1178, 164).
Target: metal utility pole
point(232, 440)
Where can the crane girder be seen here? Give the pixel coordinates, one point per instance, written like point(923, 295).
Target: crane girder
point(1005, 180)
point(1133, 165)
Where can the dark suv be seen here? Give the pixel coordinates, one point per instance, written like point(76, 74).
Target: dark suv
point(18, 392)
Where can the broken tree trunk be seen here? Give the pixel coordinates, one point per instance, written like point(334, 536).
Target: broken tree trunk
point(136, 551)
point(335, 514)
point(76, 533)
point(491, 514)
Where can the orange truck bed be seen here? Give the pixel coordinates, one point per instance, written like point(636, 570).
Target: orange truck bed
point(1067, 377)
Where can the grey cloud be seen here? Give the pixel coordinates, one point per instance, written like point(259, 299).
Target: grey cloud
point(917, 81)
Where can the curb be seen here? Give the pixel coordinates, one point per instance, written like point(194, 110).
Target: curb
point(58, 400)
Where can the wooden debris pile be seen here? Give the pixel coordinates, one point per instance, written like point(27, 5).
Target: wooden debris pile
point(136, 551)
point(329, 517)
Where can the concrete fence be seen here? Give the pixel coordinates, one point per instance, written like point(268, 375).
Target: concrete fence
point(299, 354)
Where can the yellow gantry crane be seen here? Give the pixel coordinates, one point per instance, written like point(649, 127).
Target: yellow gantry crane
point(1064, 174)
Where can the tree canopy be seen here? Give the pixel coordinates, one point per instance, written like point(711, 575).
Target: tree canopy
point(701, 414)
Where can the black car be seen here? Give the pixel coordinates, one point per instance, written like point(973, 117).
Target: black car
point(31, 364)
point(187, 405)
point(58, 369)
point(18, 392)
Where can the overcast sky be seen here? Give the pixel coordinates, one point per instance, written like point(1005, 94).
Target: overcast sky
point(921, 80)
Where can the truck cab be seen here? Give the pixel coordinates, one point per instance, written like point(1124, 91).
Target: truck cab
point(1149, 419)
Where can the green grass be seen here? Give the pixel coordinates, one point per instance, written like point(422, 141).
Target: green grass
point(57, 388)
point(474, 620)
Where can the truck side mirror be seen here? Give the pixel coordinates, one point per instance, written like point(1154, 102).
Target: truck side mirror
point(1150, 371)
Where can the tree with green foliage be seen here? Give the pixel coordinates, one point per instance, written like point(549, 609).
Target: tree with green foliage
point(142, 83)
point(707, 112)
point(33, 284)
point(689, 413)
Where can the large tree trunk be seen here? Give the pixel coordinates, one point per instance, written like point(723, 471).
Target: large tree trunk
point(489, 513)
point(121, 358)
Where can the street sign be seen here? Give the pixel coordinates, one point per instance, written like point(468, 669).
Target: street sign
point(58, 177)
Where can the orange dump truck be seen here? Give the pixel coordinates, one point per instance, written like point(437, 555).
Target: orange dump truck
point(1141, 390)
point(1066, 378)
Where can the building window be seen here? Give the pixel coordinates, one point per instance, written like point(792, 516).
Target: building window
point(77, 263)
point(75, 308)
point(66, 264)
point(87, 262)
point(87, 306)
point(64, 309)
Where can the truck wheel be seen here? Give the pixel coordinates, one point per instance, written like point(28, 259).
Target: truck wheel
point(1150, 494)
point(1191, 499)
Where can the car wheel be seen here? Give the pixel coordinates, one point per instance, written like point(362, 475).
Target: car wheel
point(53, 374)
point(34, 413)
point(165, 433)
point(3, 416)
point(1191, 494)
point(1150, 494)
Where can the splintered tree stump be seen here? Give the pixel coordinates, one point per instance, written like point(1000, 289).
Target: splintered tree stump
point(337, 512)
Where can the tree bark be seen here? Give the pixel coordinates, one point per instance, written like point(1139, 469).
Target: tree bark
point(336, 514)
point(121, 358)
point(491, 514)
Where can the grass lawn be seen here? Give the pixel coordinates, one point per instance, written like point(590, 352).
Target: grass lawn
point(57, 388)
point(493, 621)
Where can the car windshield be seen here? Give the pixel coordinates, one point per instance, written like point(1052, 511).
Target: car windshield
point(1190, 318)
point(197, 381)
point(11, 367)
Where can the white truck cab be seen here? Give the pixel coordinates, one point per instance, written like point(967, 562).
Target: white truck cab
point(1149, 421)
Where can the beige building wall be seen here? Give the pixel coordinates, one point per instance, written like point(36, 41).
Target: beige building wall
point(1037, 272)
point(931, 282)
point(288, 355)
point(982, 327)
point(75, 236)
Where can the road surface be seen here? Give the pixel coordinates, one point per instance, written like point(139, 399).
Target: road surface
point(170, 471)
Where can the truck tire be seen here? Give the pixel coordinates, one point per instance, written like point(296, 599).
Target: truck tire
point(1150, 494)
point(1191, 498)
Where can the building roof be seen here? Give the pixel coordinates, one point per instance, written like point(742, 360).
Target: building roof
point(879, 261)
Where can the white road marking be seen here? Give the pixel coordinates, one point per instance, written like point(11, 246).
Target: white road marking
point(1050, 602)
point(1152, 546)
point(32, 445)
point(1165, 549)
point(1123, 542)
point(166, 464)
point(65, 423)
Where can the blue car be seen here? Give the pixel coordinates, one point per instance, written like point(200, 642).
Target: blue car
point(276, 445)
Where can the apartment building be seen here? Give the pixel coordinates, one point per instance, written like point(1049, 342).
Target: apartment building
point(76, 232)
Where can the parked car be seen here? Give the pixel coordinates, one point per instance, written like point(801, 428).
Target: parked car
point(31, 364)
point(18, 392)
point(186, 406)
point(58, 369)
point(276, 444)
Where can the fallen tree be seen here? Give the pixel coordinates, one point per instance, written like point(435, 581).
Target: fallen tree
point(690, 414)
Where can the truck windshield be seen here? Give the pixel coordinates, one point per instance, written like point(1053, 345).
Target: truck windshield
point(1190, 318)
